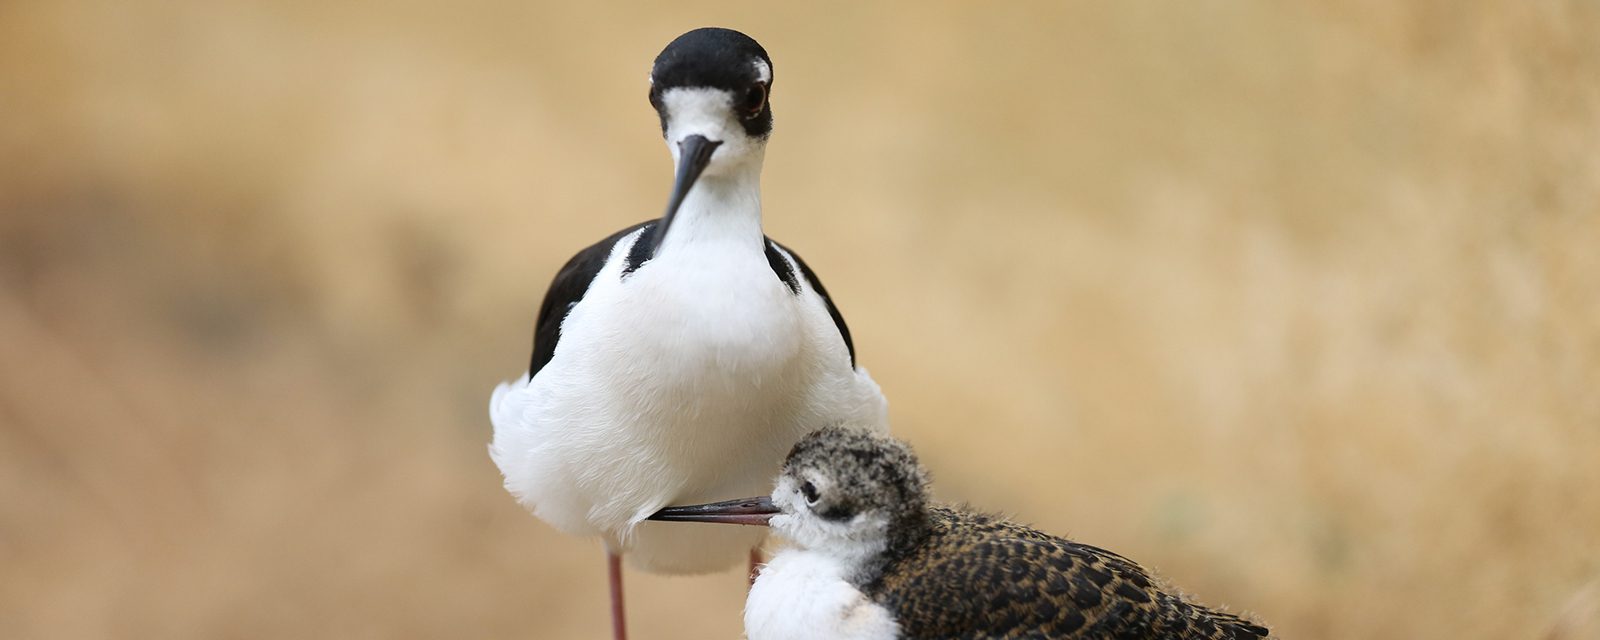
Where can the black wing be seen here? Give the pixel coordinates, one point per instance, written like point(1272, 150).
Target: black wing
point(568, 287)
point(980, 577)
point(781, 267)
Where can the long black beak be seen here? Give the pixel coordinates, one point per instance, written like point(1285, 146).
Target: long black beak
point(751, 511)
point(694, 153)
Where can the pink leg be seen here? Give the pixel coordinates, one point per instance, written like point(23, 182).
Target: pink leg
point(619, 621)
point(755, 564)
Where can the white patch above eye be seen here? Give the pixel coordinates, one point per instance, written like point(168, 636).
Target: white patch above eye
point(701, 110)
point(709, 112)
point(763, 71)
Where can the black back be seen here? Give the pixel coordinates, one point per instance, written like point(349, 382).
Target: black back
point(574, 278)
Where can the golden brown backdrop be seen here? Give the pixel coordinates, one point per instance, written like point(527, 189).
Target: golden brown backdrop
point(1299, 305)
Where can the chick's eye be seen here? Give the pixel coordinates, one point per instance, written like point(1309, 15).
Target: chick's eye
point(755, 98)
point(809, 491)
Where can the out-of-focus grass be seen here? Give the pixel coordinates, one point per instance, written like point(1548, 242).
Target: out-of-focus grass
point(1299, 305)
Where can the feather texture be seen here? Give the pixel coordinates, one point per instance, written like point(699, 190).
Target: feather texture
point(977, 576)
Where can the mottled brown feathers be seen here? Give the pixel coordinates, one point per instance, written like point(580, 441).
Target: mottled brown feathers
point(953, 573)
point(977, 576)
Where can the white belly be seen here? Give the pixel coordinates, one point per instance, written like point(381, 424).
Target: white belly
point(802, 595)
point(686, 383)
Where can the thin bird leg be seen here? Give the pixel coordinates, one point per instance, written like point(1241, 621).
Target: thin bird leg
point(619, 621)
point(755, 565)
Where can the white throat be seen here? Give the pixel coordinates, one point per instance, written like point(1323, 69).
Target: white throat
point(723, 208)
point(725, 203)
point(854, 547)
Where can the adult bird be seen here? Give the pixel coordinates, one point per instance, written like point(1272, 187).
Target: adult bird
point(875, 560)
point(678, 359)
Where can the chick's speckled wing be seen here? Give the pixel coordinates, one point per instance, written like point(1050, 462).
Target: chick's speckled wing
point(981, 577)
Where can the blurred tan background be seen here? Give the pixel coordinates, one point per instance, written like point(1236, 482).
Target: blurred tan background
point(1300, 306)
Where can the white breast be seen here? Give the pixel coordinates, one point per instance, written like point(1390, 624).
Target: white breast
point(687, 382)
point(802, 595)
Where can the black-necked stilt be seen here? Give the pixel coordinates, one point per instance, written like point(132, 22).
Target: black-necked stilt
point(677, 360)
point(875, 560)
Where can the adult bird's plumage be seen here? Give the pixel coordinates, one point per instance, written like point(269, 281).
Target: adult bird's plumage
point(678, 359)
point(874, 560)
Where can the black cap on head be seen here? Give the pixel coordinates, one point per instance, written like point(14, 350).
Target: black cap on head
point(717, 58)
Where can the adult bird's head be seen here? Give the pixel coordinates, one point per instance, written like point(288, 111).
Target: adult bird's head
point(710, 88)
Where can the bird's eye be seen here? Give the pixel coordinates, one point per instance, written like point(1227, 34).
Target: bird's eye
point(755, 99)
point(809, 491)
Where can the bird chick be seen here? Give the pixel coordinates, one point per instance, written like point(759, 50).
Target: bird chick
point(874, 559)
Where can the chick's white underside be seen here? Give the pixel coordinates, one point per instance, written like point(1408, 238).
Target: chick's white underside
point(686, 382)
point(803, 595)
